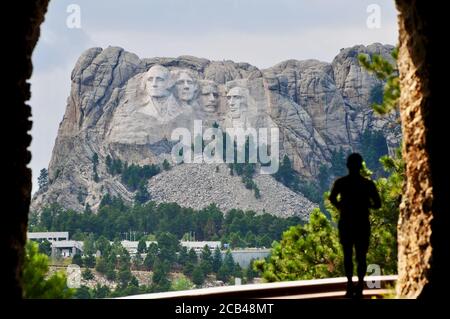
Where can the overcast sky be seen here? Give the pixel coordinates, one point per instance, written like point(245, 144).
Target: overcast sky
point(260, 32)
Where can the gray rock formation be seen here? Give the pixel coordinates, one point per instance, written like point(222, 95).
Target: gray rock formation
point(355, 85)
point(127, 108)
point(197, 186)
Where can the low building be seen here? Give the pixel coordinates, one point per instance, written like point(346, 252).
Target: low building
point(66, 248)
point(245, 255)
point(50, 236)
point(199, 245)
point(131, 246)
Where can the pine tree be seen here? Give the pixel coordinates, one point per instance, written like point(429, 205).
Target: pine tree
point(250, 272)
point(43, 178)
point(160, 281)
point(89, 245)
point(124, 275)
point(206, 260)
point(188, 268)
point(36, 283)
point(137, 262)
point(168, 247)
point(166, 165)
point(89, 261)
point(217, 260)
point(108, 163)
point(83, 292)
point(95, 164)
point(192, 256)
point(198, 276)
point(182, 256)
point(77, 260)
point(45, 247)
point(285, 172)
point(387, 73)
point(87, 274)
point(142, 247)
point(101, 291)
point(307, 251)
point(142, 195)
point(227, 269)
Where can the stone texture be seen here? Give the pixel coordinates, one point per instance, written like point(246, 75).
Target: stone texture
point(198, 185)
point(423, 250)
point(414, 228)
point(317, 106)
point(23, 25)
point(355, 85)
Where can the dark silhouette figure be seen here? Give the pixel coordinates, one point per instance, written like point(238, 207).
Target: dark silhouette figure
point(353, 195)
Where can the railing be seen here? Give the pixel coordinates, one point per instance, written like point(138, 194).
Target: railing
point(301, 289)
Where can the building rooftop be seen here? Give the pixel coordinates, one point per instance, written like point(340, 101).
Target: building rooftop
point(200, 244)
point(68, 243)
point(48, 235)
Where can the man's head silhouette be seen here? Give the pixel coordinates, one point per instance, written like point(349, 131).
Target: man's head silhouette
point(354, 163)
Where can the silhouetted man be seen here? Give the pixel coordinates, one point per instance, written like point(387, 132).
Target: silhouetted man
point(356, 195)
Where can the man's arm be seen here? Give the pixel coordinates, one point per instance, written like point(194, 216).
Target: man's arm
point(374, 196)
point(333, 195)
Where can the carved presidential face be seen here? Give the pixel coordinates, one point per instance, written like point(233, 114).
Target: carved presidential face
point(237, 101)
point(186, 87)
point(157, 84)
point(209, 97)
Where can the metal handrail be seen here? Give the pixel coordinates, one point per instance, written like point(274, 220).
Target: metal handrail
point(300, 289)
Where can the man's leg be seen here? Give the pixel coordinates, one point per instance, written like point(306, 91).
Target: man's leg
point(361, 248)
point(361, 254)
point(347, 242)
point(348, 267)
point(348, 260)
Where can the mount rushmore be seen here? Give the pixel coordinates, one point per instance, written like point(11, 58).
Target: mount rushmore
point(124, 107)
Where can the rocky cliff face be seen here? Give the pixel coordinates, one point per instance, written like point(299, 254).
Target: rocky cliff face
point(127, 108)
